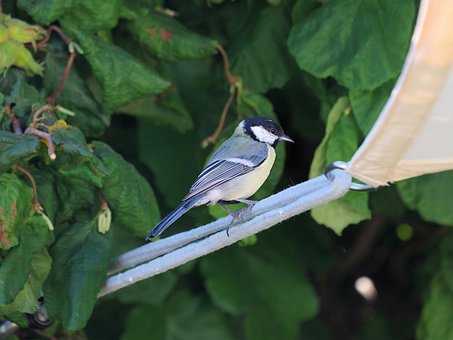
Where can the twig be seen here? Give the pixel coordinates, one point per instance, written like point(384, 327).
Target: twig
point(47, 137)
point(338, 185)
point(52, 99)
point(231, 78)
point(36, 205)
point(211, 139)
point(15, 122)
point(56, 29)
point(234, 83)
point(37, 115)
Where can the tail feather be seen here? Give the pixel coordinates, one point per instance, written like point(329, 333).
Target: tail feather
point(171, 218)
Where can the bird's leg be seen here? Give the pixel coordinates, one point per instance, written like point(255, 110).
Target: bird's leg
point(243, 214)
point(240, 215)
point(224, 206)
point(250, 203)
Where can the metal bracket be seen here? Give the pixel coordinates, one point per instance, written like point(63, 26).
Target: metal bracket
point(355, 186)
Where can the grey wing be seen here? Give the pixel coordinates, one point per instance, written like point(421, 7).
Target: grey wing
point(227, 163)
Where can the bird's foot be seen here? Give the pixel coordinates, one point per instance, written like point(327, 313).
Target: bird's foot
point(241, 215)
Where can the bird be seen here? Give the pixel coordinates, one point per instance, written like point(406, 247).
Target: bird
point(234, 172)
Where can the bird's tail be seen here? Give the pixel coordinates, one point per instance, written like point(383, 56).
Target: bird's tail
point(171, 218)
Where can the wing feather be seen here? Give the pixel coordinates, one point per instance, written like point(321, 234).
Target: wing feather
point(221, 172)
point(233, 159)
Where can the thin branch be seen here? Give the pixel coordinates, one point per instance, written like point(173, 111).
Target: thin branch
point(52, 99)
point(15, 122)
point(339, 184)
point(47, 137)
point(56, 29)
point(38, 114)
point(231, 78)
point(234, 83)
point(36, 205)
point(211, 139)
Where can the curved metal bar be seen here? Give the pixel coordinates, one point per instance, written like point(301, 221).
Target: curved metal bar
point(152, 250)
point(355, 186)
point(337, 185)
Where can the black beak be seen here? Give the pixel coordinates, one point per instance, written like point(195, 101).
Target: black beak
point(285, 138)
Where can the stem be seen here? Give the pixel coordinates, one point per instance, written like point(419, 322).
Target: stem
point(52, 99)
point(49, 31)
point(234, 83)
point(15, 123)
point(231, 78)
point(211, 139)
point(36, 205)
point(47, 137)
point(37, 115)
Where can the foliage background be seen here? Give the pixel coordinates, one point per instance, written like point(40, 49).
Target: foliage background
point(148, 89)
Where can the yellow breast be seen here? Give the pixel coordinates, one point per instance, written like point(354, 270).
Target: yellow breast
point(246, 185)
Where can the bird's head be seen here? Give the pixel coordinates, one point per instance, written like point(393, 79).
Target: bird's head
point(263, 130)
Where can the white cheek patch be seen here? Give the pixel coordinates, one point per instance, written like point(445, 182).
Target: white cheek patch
point(263, 135)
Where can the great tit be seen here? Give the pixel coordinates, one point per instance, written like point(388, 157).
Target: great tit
point(235, 171)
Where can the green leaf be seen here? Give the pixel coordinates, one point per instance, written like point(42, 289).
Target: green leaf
point(302, 9)
point(184, 151)
point(88, 15)
point(19, 92)
point(387, 202)
point(14, 53)
point(361, 43)
point(367, 105)
point(436, 318)
point(15, 268)
point(122, 77)
point(184, 317)
point(339, 144)
point(75, 160)
point(93, 15)
point(71, 141)
point(76, 97)
point(429, 195)
point(127, 192)
point(81, 256)
point(26, 300)
point(230, 273)
point(15, 209)
point(167, 109)
point(259, 70)
point(167, 39)
point(16, 148)
point(45, 11)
